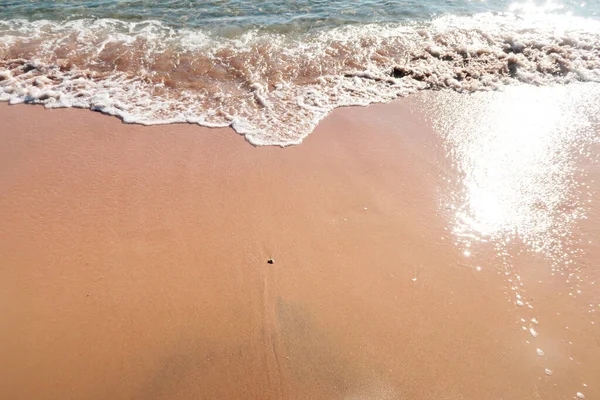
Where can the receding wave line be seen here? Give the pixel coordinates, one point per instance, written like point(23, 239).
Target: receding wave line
point(274, 88)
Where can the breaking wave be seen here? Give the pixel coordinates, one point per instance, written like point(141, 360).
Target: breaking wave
point(275, 87)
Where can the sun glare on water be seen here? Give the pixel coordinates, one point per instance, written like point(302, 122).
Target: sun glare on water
point(518, 155)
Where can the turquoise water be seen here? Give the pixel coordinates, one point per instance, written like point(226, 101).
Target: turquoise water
point(283, 14)
point(273, 69)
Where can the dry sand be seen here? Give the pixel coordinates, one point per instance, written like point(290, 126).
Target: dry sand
point(133, 260)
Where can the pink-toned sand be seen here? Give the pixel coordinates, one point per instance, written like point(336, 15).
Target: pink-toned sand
point(133, 265)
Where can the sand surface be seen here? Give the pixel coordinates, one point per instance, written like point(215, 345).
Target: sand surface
point(422, 249)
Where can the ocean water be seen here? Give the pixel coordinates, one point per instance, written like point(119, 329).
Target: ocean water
point(273, 69)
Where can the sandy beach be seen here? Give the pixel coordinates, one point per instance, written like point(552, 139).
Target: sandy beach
point(422, 249)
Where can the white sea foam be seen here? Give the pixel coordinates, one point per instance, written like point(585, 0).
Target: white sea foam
point(274, 88)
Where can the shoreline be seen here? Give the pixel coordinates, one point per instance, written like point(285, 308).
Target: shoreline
point(274, 87)
point(135, 260)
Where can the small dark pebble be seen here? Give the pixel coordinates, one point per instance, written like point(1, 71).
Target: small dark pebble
point(401, 72)
point(271, 261)
point(28, 67)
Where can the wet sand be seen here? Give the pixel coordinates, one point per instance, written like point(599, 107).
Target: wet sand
point(133, 260)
